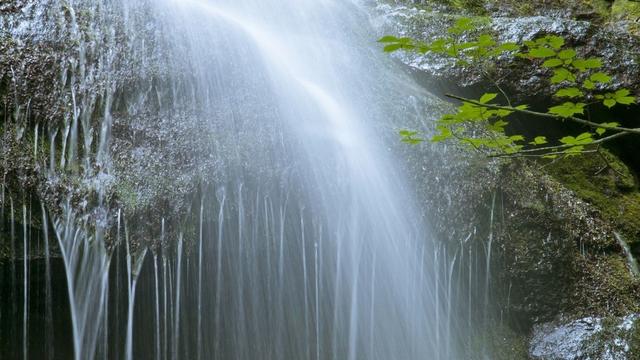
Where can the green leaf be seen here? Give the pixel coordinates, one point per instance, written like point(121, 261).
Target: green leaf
point(541, 52)
point(487, 97)
point(464, 23)
point(502, 112)
point(486, 40)
point(584, 65)
point(539, 140)
point(555, 41)
point(571, 92)
point(461, 25)
point(575, 150)
point(568, 140)
point(509, 46)
point(567, 109)
point(388, 39)
point(392, 47)
point(562, 74)
point(445, 133)
point(412, 140)
point(439, 46)
point(498, 126)
point(584, 136)
point(582, 139)
point(452, 52)
point(522, 107)
point(405, 133)
point(409, 137)
point(609, 103)
point(600, 77)
point(603, 129)
point(567, 54)
point(622, 97)
point(551, 63)
point(589, 85)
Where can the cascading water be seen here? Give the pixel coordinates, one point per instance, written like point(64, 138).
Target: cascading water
point(304, 175)
point(307, 241)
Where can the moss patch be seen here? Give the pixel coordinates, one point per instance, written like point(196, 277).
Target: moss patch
point(634, 341)
point(626, 10)
point(605, 287)
point(597, 10)
point(607, 184)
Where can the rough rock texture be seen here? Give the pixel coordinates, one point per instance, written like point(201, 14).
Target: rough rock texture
point(555, 253)
point(588, 338)
point(611, 40)
point(555, 256)
point(102, 73)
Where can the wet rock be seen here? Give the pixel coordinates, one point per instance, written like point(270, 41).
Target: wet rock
point(613, 41)
point(587, 338)
point(98, 74)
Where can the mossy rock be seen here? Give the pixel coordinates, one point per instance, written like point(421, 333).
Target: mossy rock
point(606, 183)
point(629, 11)
point(595, 10)
point(605, 287)
point(558, 250)
point(634, 342)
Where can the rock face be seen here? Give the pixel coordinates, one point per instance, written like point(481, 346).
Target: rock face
point(587, 338)
point(97, 132)
point(555, 258)
point(613, 41)
point(554, 252)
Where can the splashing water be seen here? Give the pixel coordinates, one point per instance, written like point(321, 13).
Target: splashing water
point(330, 172)
point(308, 243)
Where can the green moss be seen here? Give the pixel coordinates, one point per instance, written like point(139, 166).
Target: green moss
point(127, 195)
point(602, 342)
point(605, 287)
point(627, 11)
point(597, 9)
point(474, 6)
point(634, 341)
point(607, 184)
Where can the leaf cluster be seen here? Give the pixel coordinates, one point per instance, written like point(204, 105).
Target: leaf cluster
point(580, 82)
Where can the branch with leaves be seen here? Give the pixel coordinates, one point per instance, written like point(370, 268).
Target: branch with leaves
point(580, 84)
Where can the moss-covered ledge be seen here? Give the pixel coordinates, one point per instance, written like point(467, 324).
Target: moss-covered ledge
point(609, 186)
point(559, 250)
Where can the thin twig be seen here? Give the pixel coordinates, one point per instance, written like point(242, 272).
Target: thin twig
point(497, 85)
point(564, 146)
point(517, 155)
point(608, 165)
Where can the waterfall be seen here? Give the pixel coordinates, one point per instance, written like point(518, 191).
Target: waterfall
point(631, 260)
point(86, 269)
point(306, 240)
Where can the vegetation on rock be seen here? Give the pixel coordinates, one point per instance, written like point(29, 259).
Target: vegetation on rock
point(580, 83)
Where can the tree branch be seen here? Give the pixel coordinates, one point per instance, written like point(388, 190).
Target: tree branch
point(519, 154)
point(560, 147)
point(497, 85)
point(545, 115)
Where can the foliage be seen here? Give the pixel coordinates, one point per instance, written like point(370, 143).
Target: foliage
point(580, 82)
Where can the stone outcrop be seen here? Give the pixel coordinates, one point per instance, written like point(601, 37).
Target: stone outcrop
point(556, 259)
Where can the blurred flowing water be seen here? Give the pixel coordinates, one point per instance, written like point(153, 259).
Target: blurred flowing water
point(307, 241)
